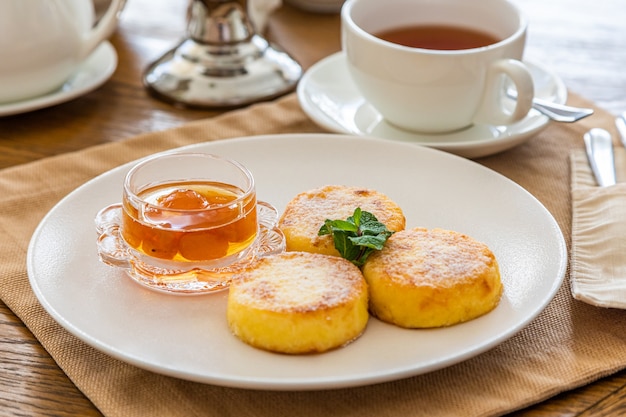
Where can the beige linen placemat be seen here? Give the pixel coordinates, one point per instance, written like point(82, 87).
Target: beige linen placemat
point(569, 344)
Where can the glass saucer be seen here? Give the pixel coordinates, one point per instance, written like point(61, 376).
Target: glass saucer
point(182, 277)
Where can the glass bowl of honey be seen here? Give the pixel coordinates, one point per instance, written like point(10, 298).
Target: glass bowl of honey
point(187, 223)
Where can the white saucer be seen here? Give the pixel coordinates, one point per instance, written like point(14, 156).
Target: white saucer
point(91, 74)
point(330, 98)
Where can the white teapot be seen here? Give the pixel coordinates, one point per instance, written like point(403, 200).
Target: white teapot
point(42, 42)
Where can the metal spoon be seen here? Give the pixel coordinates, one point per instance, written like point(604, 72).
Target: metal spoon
point(555, 111)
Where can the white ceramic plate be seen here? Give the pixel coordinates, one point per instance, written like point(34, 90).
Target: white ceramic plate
point(330, 98)
point(91, 74)
point(187, 336)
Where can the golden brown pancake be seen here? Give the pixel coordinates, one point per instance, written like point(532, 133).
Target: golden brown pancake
point(298, 302)
point(306, 213)
point(432, 278)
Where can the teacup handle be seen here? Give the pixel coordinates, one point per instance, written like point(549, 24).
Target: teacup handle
point(105, 28)
point(492, 110)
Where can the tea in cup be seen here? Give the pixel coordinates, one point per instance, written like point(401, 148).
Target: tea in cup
point(187, 222)
point(438, 66)
point(43, 42)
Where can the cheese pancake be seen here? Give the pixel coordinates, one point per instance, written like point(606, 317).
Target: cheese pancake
point(298, 302)
point(306, 213)
point(432, 278)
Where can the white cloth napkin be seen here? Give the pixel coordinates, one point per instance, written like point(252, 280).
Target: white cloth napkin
point(598, 255)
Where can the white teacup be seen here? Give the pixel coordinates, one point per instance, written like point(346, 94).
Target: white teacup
point(42, 42)
point(438, 90)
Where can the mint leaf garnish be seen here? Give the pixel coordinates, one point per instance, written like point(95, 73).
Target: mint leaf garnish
point(358, 236)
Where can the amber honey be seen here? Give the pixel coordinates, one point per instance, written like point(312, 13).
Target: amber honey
point(190, 221)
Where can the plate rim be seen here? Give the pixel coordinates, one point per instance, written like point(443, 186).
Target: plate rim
point(104, 52)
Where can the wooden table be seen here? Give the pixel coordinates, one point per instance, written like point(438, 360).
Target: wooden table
point(581, 41)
